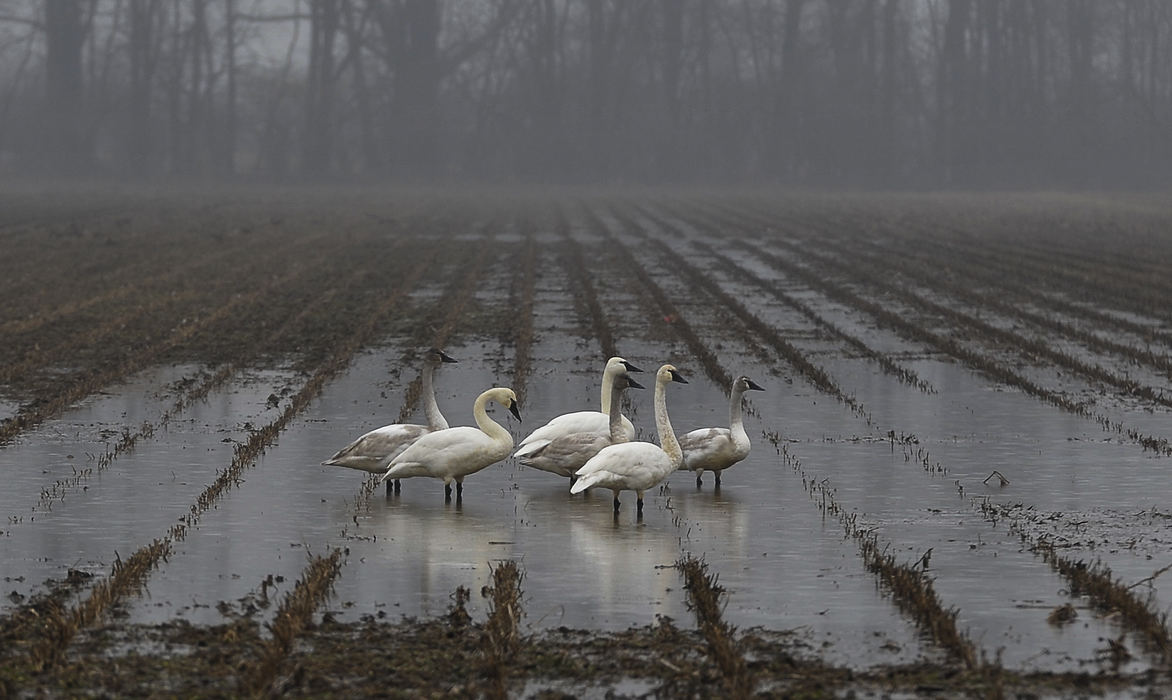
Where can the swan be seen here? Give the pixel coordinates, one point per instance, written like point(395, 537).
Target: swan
point(565, 454)
point(583, 421)
point(455, 453)
point(716, 449)
point(372, 451)
point(637, 465)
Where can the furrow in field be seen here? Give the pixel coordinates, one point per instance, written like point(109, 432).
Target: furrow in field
point(318, 306)
point(885, 362)
point(202, 280)
point(294, 616)
point(176, 263)
point(918, 598)
point(988, 305)
point(1072, 259)
point(147, 251)
point(912, 588)
point(519, 331)
point(1096, 581)
point(47, 642)
point(90, 379)
point(582, 288)
point(1028, 348)
point(1098, 330)
point(950, 345)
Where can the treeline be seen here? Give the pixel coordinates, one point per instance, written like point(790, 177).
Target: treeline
point(889, 93)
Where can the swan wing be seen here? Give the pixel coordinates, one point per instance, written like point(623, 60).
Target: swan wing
point(566, 454)
point(629, 465)
point(577, 422)
point(707, 448)
point(373, 450)
point(568, 424)
point(447, 453)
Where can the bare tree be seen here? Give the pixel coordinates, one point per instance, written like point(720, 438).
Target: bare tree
point(65, 149)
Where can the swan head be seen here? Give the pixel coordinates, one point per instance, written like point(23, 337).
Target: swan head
point(439, 356)
point(619, 365)
point(668, 373)
point(743, 383)
point(506, 398)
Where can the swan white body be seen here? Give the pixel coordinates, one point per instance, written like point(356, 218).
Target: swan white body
point(372, 451)
point(583, 421)
point(452, 454)
point(564, 455)
point(637, 466)
point(717, 449)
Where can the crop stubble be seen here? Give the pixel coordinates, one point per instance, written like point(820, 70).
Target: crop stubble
point(329, 361)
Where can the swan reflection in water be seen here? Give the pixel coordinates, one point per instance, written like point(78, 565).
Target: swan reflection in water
point(421, 552)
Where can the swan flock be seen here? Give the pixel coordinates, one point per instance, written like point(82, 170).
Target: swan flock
point(594, 449)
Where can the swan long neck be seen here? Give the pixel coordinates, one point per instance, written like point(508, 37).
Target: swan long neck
point(487, 425)
point(607, 387)
point(736, 422)
point(667, 436)
point(435, 419)
point(617, 434)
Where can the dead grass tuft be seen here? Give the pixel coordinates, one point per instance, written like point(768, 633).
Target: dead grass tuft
point(501, 639)
point(704, 598)
point(293, 615)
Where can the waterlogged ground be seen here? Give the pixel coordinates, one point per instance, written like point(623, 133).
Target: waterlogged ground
point(977, 430)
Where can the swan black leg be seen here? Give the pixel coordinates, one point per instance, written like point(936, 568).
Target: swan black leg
point(699, 479)
point(616, 502)
point(717, 479)
point(447, 493)
point(398, 486)
point(389, 488)
point(459, 491)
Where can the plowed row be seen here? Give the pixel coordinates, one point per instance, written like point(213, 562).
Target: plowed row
point(1016, 291)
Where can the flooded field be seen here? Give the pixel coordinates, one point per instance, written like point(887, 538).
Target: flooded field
point(959, 480)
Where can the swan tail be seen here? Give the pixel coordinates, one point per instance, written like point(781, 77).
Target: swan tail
point(404, 470)
point(585, 482)
point(529, 448)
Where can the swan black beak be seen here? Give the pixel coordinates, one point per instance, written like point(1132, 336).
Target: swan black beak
point(632, 384)
point(631, 368)
point(677, 377)
point(753, 385)
point(514, 411)
point(445, 357)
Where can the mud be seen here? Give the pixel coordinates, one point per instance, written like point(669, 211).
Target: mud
point(164, 409)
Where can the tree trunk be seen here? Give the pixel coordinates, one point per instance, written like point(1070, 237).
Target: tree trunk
point(65, 150)
point(143, 20)
point(318, 137)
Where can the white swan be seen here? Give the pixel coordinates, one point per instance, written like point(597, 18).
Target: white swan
point(637, 465)
point(583, 421)
point(372, 451)
point(717, 449)
point(455, 453)
point(564, 455)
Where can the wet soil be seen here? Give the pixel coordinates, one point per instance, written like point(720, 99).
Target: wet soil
point(176, 364)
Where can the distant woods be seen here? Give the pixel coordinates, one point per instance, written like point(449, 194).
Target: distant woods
point(888, 93)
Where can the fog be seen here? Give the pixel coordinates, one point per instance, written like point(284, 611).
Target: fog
point(823, 93)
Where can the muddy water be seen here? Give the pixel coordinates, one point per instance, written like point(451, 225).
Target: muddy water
point(784, 566)
point(1003, 593)
point(87, 514)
